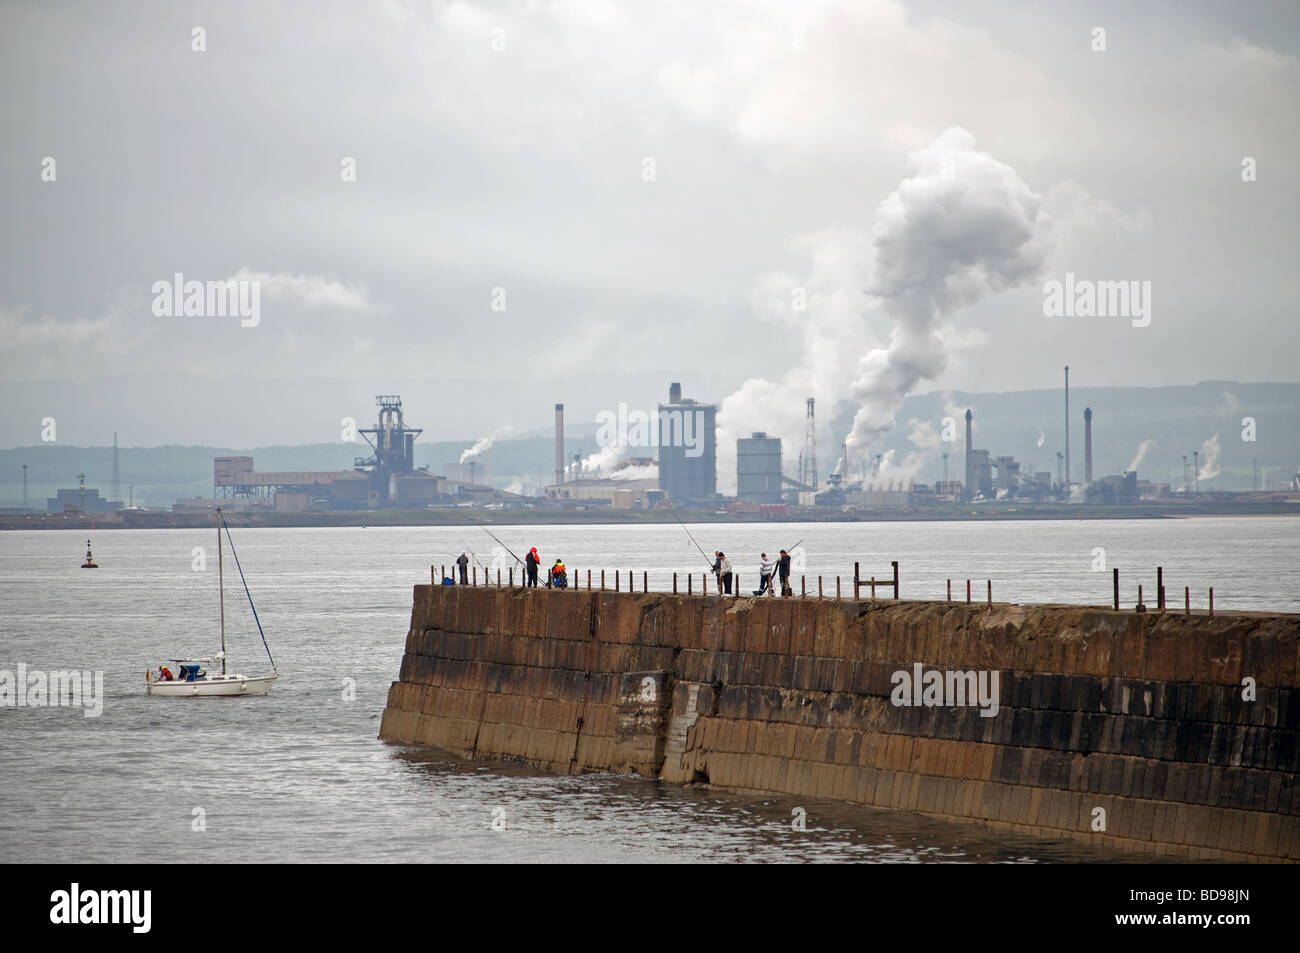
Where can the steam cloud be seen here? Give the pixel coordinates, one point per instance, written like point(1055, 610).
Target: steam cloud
point(1143, 449)
point(484, 444)
point(959, 225)
point(1209, 459)
point(1210, 450)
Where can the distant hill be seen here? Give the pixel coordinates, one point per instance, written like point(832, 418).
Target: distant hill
point(1177, 419)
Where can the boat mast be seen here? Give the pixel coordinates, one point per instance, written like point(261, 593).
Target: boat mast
point(221, 593)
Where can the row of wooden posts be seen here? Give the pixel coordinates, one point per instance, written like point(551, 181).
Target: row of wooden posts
point(859, 584)
point(1161, 605)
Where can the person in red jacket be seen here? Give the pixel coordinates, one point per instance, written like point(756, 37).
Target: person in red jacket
point(532, 561)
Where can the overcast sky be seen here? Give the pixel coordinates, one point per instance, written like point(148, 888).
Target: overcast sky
point(648, 182)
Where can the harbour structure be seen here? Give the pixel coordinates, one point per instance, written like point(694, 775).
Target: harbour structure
point(688, 448)
point(1023, 718)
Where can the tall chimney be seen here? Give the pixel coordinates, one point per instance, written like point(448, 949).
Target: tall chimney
point(1067, 428)
point(967, 488)
point(559, 443)
point(674, 393)
point(1087, 445)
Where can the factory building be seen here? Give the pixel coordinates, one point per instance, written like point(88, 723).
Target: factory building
point(79, 500)
point(758, 469)
point(387, 479)
point(688, 448)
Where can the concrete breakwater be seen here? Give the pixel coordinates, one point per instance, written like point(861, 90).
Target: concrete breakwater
point(1159, 732)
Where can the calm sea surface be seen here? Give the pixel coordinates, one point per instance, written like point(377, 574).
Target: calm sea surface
point(299, 775)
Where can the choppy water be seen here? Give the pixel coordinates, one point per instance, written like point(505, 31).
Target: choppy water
point(299, 775)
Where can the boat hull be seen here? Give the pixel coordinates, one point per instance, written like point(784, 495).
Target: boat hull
point(227, 686)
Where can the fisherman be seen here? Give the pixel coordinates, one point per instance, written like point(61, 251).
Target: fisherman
point(463, 563)
point(532, 561)
point(765, 568)
point(559, 575)
point(724, 572)
point(783, 571)
point(717, 568)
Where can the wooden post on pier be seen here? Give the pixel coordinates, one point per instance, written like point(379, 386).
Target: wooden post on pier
point(1160, 588)
point(474, 570)
point(645, 581)
point(803, 587)
point(837, 588)
point(895, 565)
point(967, 590)
point(990, 595)
point(602, 580)
point(618, 574)
point(1116, 588)
point(498, 575)
point(857, 580)
point(1211, 600)
point(819, 587)
point(1187, 600)
point(873, 588)
point(950, 590)
point(1140, 607)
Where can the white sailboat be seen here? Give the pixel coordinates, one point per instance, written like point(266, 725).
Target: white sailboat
point(191, 679)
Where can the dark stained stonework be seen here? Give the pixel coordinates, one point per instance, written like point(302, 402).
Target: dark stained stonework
point(1139, 714)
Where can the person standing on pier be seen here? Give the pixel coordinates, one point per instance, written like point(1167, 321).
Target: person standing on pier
point(724, 572)
point(783, 571)
point(532, 561)
point(765, 568)
point(717, 568)
point(463, 563)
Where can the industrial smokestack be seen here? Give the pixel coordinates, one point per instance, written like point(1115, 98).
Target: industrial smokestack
point(559, 443)
point(1067, 427)
point(967, 488)
point(1087, 445)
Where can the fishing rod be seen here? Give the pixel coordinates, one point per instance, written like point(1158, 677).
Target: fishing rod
point(498, 542)
point(688, 533)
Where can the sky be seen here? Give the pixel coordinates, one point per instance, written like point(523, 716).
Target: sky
point(498, 206)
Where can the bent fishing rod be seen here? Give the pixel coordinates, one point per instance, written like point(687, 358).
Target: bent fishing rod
point(688, 533)
point(498, 542)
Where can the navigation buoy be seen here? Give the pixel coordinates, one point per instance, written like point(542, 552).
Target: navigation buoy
point(90, 560)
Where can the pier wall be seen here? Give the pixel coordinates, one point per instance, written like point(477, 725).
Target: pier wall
point(1139, 715)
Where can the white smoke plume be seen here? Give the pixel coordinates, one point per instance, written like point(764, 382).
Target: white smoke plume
point(647, 472)
point(1210, 450)
point(484, 444)
point(1143, 449)
point(1209, 459)
point(1042, 434)
point(960, 225)
point(604, 464)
